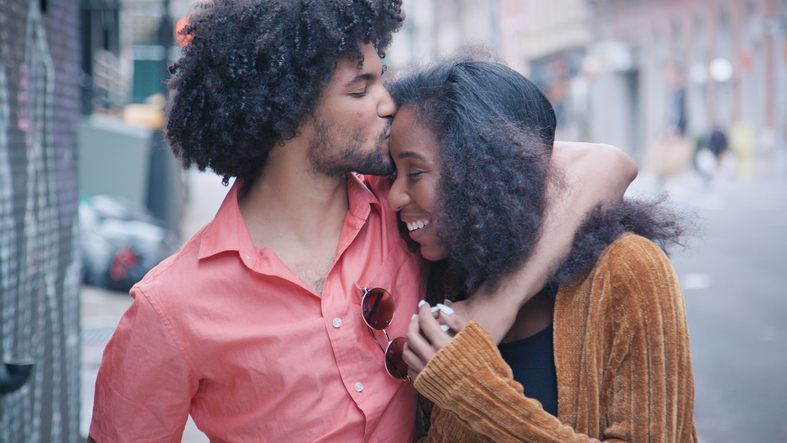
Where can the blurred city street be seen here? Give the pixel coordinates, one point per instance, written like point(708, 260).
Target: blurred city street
point(733, 276)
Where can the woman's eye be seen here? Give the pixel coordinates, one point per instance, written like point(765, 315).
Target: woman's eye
point(415, 174)
point(358, 94)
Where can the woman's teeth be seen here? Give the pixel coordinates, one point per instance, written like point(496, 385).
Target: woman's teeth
point(412, 226)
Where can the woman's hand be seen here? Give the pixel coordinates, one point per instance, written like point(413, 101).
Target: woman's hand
point(426, 335)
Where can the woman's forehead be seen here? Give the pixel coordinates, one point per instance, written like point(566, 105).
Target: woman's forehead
point(410, 137)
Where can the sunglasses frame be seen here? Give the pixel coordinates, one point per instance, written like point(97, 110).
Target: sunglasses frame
point(398, 341)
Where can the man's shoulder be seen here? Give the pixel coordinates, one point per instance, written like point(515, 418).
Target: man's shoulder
point(178, 271)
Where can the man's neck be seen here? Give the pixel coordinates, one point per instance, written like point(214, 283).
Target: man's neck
point(290, 200)
point(297, 213)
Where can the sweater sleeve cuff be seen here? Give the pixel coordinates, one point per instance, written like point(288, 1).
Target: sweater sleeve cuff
point(447, 427)
point(471, 351)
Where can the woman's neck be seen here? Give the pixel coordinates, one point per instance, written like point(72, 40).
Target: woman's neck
point(534, 316)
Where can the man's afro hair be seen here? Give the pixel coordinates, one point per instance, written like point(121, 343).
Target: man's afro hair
point(252, 71)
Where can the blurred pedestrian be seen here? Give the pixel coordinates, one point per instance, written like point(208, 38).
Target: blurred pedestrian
point(671, 152)
point(676, 124)
point(717, 143)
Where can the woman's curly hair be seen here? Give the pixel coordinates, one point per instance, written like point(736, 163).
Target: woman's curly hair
point(252, 71)
point(495, 132)
point(493, 161)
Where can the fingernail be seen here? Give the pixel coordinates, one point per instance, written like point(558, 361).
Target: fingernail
point(435, 308)
point(413, 317)
point(421, 303)
point(447, 302)
point(445, 328)
point(445, 309)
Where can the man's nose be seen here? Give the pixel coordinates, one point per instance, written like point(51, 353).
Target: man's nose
point(387, 106)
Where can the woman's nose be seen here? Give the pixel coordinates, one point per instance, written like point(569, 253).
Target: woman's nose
point(398, 196)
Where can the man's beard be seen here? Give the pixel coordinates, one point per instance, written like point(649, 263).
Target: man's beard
point(329, 159)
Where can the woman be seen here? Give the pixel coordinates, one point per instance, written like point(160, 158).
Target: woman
point(602, 353)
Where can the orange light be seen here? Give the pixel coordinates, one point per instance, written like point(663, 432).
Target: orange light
point(182, 40)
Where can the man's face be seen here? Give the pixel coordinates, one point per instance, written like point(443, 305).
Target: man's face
point(352, 120)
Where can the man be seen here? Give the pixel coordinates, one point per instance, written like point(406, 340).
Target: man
point(254, 327)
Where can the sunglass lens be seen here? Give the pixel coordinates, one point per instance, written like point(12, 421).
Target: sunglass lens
point(394, 362)
point(378, 308)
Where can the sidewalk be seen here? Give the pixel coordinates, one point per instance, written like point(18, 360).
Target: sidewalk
point(101, 310)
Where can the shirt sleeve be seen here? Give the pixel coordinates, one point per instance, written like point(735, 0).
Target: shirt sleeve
point(145, 384)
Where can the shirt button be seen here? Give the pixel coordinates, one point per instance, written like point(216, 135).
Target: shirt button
point(359, 386)
point(337, 322)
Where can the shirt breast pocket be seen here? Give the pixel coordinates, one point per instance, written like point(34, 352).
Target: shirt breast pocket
point(400, 274)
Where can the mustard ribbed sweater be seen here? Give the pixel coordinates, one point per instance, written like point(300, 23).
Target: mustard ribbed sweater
point(621, 354)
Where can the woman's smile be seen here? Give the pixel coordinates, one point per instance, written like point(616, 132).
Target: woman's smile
point(416, 225)
point(413, 194)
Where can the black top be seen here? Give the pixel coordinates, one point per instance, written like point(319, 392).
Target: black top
point(533, 363)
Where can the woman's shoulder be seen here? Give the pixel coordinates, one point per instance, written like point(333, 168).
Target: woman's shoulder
point(632, 252)
point(632, 277)
point(636, 270)
point(632, 284)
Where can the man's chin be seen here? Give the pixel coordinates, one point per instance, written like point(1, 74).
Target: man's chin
point(375, 165)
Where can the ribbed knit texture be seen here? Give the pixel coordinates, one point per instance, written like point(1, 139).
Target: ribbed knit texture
point(622, 358)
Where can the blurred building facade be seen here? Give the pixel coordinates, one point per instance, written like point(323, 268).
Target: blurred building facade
point(39, 258)
point(627, 72)
point(436, 28)
point(546, 41)
point(127, 47)
point(700, 64)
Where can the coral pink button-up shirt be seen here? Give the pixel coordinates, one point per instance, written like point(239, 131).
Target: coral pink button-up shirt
point(227, 333)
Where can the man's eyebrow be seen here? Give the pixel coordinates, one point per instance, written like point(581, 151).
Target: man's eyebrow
point(361, 78)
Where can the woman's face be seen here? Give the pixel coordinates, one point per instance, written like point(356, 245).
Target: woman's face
point(413, 194)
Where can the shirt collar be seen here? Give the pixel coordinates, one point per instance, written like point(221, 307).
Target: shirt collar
point(228, 232)
point(362, 194)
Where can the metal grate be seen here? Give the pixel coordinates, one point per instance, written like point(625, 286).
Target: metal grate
point(94, 335)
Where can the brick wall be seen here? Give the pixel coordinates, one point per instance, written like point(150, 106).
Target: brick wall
point(39, 263)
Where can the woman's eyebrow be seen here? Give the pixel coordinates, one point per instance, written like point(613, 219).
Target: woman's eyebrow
point(412, 154)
